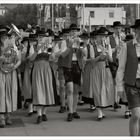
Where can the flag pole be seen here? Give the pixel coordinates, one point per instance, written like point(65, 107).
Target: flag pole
point(83, 16)
point(52, 19)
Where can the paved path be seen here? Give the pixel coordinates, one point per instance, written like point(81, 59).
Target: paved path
point(113, 125)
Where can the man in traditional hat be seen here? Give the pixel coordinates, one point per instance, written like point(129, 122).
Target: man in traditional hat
point(129, 78)
point(115, 42)
point(72, 71)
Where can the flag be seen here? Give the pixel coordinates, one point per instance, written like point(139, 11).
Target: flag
point(47, 13)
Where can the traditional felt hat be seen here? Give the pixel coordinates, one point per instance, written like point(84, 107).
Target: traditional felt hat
point(74, 27)
point(3, 30)
point(103, 31)
point(65, 31)
point(84, 35)
point(116, 24)
point(137, 24)
point(57, 38)
point(93, 34)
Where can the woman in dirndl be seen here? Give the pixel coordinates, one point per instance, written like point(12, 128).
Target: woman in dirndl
point(42, 79)
point(29, 43)
point(87, 68)
point(102, 83)
point(10, 59)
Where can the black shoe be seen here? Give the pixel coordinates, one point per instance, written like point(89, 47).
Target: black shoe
point(44, 117)
point(99, 118)
point(2, 125)
point(127, 115)
point(39, 119)
point(76, 115)
point(116, 106)
point(62, 109)
point(70, 117)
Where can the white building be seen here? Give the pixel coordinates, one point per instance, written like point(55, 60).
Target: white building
point(101, 15)
point(2, 10)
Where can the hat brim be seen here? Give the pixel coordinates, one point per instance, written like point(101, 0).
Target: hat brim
point(134, 26)
point(78, 29)
point(113, 26)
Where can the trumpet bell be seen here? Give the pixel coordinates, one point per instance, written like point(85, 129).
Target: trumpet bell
point(14, 29)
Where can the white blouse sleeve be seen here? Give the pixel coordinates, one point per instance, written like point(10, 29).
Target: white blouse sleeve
point(110, 52)
point(92, 53)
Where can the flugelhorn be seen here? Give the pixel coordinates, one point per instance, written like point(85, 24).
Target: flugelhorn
point(15, 30)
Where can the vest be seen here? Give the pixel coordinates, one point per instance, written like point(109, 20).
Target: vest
point(131, 64)
point(67, 60)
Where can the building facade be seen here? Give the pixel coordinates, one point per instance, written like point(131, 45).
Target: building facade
point(100, 16)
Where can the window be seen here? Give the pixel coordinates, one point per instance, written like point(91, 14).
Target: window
point(92, 14)
point(111, 14)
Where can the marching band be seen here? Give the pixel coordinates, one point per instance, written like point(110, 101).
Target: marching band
point(44, 65)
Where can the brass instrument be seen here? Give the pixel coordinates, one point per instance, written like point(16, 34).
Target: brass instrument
point(15, 30)
point(44, 47)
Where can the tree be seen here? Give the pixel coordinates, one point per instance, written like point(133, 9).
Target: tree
point(21, 15)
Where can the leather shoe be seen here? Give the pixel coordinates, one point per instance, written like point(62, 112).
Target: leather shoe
point(39, 119)
point(62, 109)
point(100, 118)
point(70, 117)
point(44, 117)
point(116, 106)
point(76, 115)
point(2, 123)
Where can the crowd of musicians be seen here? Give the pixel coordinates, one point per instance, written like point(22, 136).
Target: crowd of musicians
point(41, 65)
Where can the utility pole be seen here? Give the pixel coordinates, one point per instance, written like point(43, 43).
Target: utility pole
point(67, 20)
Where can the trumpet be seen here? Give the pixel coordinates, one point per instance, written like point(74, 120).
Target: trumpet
point(43, 47)
point(15, 30)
